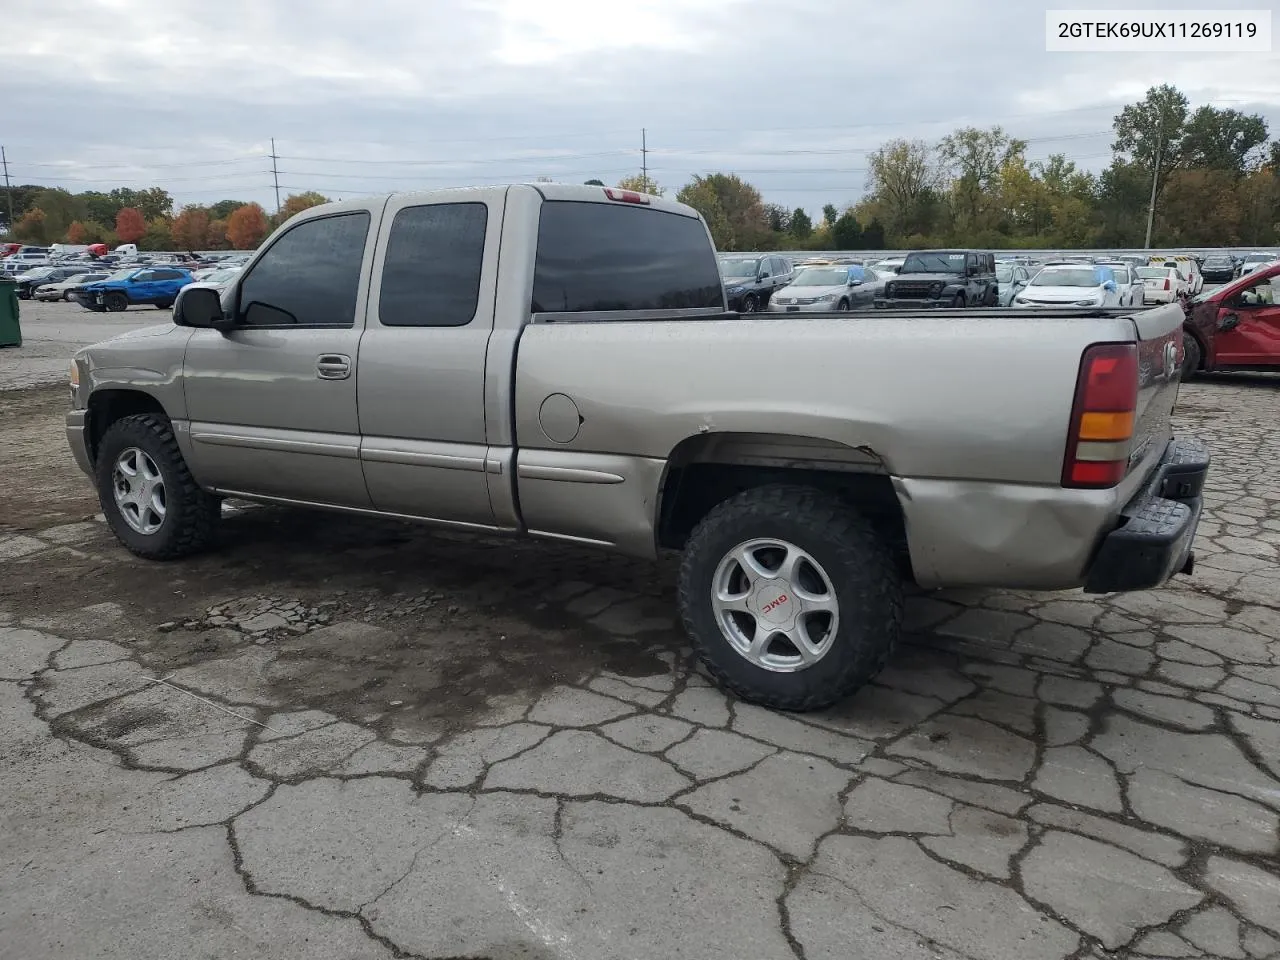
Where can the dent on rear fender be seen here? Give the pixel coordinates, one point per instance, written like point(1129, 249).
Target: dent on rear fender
point(963, 533)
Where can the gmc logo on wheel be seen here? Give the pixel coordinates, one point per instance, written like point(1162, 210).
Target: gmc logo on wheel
point(774, 604)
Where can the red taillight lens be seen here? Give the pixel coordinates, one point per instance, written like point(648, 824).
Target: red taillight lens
point(1166, 283)
point(1102, 417)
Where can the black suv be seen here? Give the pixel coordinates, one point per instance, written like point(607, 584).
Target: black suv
point(943, 278)
point(42, 275)
point(749, 280)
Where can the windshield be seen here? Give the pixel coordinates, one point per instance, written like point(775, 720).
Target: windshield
point(1069, 277)
point(1004, 273)
point(38, 274)
point(739, 268)
point(1258, 258)
point(821, 277)
point(934, 263)
point(1217, 261)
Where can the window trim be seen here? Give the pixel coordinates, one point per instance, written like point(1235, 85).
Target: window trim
point(596, 316)
point(357, 316)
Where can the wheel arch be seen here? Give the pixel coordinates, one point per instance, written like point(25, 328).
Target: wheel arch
point(108, 405)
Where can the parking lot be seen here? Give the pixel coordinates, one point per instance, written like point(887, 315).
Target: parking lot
point(337, 738)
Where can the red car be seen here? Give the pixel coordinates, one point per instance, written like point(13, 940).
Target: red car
point(1235, 326)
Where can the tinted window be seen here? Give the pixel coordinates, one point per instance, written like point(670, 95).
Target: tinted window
point(144, 276)
point(167, 275)
point(308, 276)
point(431, 277)
point(597, 256)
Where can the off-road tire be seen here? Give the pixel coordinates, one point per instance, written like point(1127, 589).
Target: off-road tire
point(191, 515)
point(958, 301)
point(1190, 356)
point(856, 556)
point(116, 302)
point(993, 297)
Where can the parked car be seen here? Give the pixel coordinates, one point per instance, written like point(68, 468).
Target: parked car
point(749, 282)
point(1188, 267)
point(836, 287)
point(1131, 287)
point(158, 286)
point(1220, 268)
point(942, 278)
point(1080, 284)
point(1252, 261)
point(66, 289)
point(889, 264)
point(1236, 326)
point(1162, 284)
point(27, 282)
point(457, 357)
point(1011, 278)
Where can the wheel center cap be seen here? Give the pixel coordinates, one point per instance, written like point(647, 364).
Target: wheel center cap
point(774, 602)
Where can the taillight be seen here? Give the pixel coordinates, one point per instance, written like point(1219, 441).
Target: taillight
point(625, 196)
point(1102, 416)
point(1166, 283)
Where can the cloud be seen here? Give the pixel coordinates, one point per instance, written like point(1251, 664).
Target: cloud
point(398, 94)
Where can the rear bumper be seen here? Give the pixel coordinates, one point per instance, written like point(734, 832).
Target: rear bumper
point(1157, 527)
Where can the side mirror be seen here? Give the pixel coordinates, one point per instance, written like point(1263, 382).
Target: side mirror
point(854, 283)
point(1229, 322)
point(199, 307)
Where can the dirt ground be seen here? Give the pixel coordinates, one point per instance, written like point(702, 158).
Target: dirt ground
point(337, 738)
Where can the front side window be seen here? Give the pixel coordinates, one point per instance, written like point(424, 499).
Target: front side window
point(604, 256)
point(309, 276)
point(431, 275)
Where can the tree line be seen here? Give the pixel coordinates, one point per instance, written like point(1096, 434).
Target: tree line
point(45, 215)
point(1213, 174)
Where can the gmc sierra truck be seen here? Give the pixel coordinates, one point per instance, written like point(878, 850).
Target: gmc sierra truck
point(558, 361)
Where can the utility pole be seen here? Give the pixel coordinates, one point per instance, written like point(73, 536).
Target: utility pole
point(1155, 178)
point(8, 190)
point(275, 174)
point(644, 159)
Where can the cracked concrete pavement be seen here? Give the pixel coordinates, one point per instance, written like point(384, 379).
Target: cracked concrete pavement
point(337, 738)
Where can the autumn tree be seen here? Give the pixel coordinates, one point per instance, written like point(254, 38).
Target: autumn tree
point(906, 177)
point(830, 214)
point(972, 159)
point(297, 202)
point(216, 238)
point(190, 228)
point(76, 232)
point(641, 183)
point(130, 225)
point(31, 228)
point(246, 227)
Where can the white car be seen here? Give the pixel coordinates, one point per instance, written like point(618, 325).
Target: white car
point(1070, 285)
point(1162, 284)
point(65, 289)
point(889, 265)
point(1187, 267)
point(1131, 286)
point(1253, 261)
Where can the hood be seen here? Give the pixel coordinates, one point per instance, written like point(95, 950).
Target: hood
point(944, 277)
point(1061, 294)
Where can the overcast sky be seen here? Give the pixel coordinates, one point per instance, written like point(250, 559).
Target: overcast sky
point(369, 97)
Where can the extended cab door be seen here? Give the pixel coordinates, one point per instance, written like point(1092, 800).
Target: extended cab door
point(421, 391)
point(272, 402)
point(1249, 324)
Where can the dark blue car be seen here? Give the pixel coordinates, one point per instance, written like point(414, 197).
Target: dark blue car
point(140, 285)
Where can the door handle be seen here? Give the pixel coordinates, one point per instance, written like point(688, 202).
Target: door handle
point(333, 366)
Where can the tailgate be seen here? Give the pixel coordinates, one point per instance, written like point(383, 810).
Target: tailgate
point(1159, 368)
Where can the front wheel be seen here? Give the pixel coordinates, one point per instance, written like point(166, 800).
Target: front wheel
point(116, 302)
point(750, 304)
point(150, 500)
point(792, 598)
point(958, 301)
point(843, 305)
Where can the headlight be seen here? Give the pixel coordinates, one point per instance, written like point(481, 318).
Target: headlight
point(734, 289)
point(935, 289)
point(1022, 300)
point(1088, 303)
point(825, 299)
point(888, 289)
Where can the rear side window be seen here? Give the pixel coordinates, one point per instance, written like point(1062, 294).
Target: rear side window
point(309, 276)
point(599, 256)
point(431, 276)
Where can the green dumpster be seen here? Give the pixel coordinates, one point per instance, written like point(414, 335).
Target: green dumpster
point(10, 329)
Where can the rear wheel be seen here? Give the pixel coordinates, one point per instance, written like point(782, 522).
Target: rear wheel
point(116, 302)
point(1191, 356)
point(792, 598)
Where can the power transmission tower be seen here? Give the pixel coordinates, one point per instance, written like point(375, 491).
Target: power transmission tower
point(8, 190)
point(275, 174)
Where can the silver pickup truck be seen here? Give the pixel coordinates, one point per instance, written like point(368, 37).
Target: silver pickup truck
point(558, 361)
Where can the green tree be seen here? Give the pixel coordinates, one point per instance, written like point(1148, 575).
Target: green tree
point(731, 206)
point(594, 183)
point(61, 209)
point(158, 235)
point(830, 214)
point(873, 237)
point(641, 184)
point(1150, 134)
point(906, 177)
point(847, 232)
point(801, 225)
point(777, 217)
point(224, 209)
point(1224, 140)
point(31, 227)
